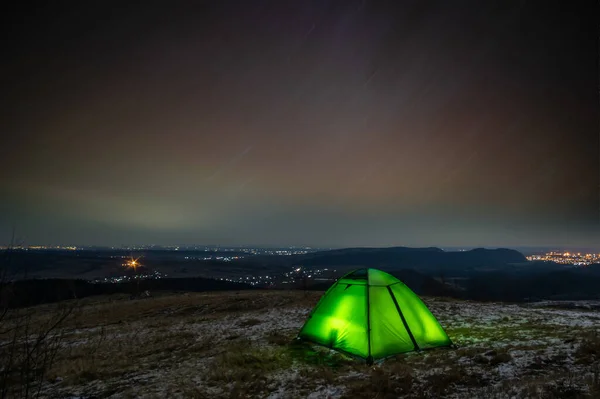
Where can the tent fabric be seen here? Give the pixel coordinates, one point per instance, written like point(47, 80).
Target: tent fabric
point(371, 314)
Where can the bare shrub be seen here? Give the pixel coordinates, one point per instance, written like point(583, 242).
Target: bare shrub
point(29, 341)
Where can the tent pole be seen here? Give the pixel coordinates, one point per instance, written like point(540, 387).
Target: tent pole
point(369, 357)
point(410, 334)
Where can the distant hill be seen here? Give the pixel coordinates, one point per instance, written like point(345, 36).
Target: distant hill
point(593, 270)
point(34, 292)
point(421, 284)
point(424, 285)
point(569, 284)
point(484, 275)
point(421, 259)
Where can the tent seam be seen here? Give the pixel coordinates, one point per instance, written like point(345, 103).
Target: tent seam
point(410, 334)
point(369, 358)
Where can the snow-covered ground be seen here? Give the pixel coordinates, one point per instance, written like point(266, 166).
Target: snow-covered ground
point(240, 345)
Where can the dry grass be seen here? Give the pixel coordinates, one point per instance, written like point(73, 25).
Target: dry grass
point(234, 345)
point(110, 354)
point(246, 368)
point(279, 338)
point(29, 344)
point(249, 322)
point(589, 349)
point(496, 358)
point(114, 337)
point(118, 309)
point(383, 382)
point(593, 382)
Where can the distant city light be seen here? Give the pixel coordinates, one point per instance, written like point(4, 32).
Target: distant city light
point(567, 258)
point(132, 264)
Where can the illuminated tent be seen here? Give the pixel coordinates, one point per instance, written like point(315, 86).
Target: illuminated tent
point(371, 314)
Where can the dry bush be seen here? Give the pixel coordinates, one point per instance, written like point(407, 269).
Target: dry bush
point(28, 350)
point(29, 339)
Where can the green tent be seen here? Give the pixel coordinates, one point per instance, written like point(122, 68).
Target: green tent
point(371, 314)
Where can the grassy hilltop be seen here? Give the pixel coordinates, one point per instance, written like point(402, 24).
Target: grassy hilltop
point(240, 344)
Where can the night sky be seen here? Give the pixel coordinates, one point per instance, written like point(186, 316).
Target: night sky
point(322, 123)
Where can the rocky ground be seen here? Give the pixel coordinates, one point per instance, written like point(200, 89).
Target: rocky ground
point(237, 345)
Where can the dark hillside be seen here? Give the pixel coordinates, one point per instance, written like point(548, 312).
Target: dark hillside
point(566, 284)
point(422, 259)
point(421, 284)
point(33, 292)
